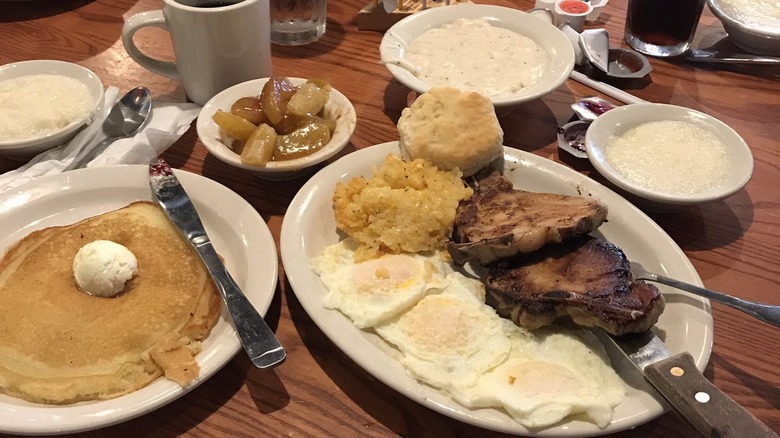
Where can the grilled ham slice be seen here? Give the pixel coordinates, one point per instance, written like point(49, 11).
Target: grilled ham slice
point(588, 279)
point(499, 221)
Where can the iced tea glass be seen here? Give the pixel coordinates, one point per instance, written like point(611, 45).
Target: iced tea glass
point(662, 27)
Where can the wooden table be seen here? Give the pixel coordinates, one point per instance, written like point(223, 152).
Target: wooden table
point(734, 244)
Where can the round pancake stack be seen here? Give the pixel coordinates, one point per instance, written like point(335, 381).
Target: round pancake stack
point(61, 345)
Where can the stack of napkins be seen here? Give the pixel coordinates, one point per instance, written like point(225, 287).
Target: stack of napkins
point(166, 124)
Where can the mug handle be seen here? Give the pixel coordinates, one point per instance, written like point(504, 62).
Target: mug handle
point(133, 25)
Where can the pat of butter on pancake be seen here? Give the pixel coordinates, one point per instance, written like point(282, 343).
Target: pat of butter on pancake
point(60, 345)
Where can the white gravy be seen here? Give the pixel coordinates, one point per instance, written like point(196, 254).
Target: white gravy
point(473, 55)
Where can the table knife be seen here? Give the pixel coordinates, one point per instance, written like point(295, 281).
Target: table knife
point(698, 55)
point(257, 338)
point(709, 410)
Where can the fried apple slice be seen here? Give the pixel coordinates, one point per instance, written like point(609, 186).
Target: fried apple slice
point(309, 99)
point(305, 140)
point(260, 146)
point(233, 125)
point(274, 97)
point(249, 108)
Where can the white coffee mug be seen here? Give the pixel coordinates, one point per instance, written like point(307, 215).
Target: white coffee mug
point(216, 43)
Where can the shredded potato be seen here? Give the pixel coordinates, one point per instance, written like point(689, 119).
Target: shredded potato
point(404, 207)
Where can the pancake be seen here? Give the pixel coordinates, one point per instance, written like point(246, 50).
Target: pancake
point(60, 345)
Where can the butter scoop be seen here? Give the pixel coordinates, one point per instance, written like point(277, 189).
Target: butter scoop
point(102, 268)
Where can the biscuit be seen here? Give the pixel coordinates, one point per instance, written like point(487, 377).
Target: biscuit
point(452, 129)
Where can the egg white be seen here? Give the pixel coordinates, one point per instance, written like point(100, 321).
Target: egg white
point(547, 376)
point(446, 336)
point(373, 291)
point(448, 339)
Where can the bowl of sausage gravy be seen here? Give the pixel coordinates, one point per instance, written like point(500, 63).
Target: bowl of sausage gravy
point(506, 54)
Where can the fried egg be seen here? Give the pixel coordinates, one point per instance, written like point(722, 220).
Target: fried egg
point(449, 339)
point(445, 336)
point(547, 376)
point(375, 290)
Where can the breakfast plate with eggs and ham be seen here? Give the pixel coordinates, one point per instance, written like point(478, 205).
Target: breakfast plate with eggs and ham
point(108, 312)
point(391, 252)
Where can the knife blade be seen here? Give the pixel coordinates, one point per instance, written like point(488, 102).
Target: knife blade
point(256, 337)
point(699, 55)
point(708, 409)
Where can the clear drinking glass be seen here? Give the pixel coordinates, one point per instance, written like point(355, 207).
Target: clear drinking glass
point(296, 22)
point(662, 27)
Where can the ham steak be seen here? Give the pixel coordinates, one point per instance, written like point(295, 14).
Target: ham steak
point(587, 279)
point(499, 221)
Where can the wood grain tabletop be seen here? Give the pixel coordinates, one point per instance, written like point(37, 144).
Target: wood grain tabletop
point(734, 244)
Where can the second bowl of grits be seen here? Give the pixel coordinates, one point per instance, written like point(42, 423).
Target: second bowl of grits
point(506, 54)
point(668, 156)
point(43, 104)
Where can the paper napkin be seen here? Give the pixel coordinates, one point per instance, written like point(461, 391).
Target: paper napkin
point(166, 124)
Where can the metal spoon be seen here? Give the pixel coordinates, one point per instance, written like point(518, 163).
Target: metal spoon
point(765, 312)
point(124, 120)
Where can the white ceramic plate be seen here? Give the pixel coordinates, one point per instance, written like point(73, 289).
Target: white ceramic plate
point(686, 324)
point(338, 108)
point(559, 50)
point(24, 149)
point(239, 234)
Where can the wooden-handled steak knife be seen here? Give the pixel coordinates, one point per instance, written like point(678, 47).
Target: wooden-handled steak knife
point(710, 411)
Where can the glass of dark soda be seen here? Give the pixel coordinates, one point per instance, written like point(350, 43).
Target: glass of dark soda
point(662, 27)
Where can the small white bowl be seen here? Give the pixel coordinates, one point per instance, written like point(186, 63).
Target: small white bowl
point(27, 148)
point(338, 108)
point(559, 50)
point(597, 5)
point(745, 30)
point(619, 120)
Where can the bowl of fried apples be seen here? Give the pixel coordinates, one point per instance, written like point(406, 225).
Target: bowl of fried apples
point(277, 128)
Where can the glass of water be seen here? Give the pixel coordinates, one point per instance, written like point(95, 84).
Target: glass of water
point(295, 22)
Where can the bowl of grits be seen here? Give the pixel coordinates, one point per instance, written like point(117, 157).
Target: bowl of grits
point(666, 157)
point(506, 54)
point(44, 104)
point(752, 25)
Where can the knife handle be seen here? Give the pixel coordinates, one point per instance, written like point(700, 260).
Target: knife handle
point(258, 340)
point(709, 410)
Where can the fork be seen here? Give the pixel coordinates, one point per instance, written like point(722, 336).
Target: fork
point(765, 312)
